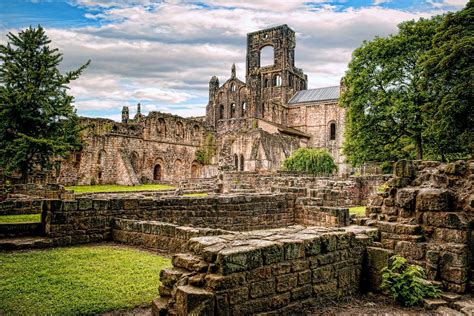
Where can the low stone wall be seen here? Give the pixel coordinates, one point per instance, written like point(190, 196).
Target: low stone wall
point(311, 214)
point(20, 206)
point(280, 271)
point(158, 235)
point(333, 191)
point(427, 215)
point(90, 220)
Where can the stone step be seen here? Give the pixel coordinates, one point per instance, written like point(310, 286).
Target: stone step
point(21, 243)
point(434, 303)
point(465, 306)
point(8, 230)
point(159, 306)
point(446, 311)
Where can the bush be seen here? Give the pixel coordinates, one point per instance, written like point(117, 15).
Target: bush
point(315, 161)
point(406, 283)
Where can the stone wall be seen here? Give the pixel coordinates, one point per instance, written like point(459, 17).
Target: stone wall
point(427, 215)
point(333, 191)
point(158, 235)
point(282, 271)
point(89, 220)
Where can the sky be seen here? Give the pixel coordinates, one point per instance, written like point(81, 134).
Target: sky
point(163, 53)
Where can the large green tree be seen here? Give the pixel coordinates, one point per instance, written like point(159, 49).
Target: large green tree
point(390, 106)
point(448, 71)
point(37, 121)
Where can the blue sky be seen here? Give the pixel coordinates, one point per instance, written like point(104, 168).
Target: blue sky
point(163, 53)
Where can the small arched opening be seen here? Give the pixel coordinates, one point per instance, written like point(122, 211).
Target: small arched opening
point(241, 162)
point(157, 173)
point(277, 81)
point(332, 131)
point(179, 130)
point(244, 109)
point(232, 87)
point(236, 162)
point(195, 130)
point(195, 170)
point(232, 110)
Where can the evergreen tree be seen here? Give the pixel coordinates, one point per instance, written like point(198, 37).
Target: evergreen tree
point(37, 121)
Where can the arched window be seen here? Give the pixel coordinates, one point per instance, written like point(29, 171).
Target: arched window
point(263, 109)
point(232, 87)
point(195, 130)
point(221, 112)
point(290, 80)
point(241, 162)
point(265, 83)
point(236, 162)
point(179, 129)
point(266, 56)
point(195, 170)
point(244, 109)
point(135, 161)
point(161, 127)
point(157, 172)
point(332, 132)
point(232, 110)
point(277, 81)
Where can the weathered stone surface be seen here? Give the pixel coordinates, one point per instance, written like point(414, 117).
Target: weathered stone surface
point(404, 169)
point(433, 200)
point(191, 300)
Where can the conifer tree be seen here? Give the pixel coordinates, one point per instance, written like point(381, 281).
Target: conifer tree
point(37, 120)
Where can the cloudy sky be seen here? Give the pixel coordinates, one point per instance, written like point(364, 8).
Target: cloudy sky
point(163, 53)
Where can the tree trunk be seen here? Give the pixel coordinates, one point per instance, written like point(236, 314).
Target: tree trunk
point(419, 147)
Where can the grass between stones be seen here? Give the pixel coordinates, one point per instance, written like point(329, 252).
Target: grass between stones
point(25, 218)
point(78, 280)
point(357, 210)
point(118, 188)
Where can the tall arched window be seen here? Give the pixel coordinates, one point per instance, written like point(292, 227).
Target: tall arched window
point(179, 129)
point(157, 172)
point(221, 112)
point(244, 109)
point(241, 162)
point(332, 131)
point(232, 87)
point(232, 110)
point(266, 56)
point(265, 83)
point(236, 162)
point(263, 109)
point(277, 81)
point(161, 128)
point(195, 130)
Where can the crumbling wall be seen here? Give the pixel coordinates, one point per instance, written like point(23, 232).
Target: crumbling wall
point(426, 214)
point(282, 271)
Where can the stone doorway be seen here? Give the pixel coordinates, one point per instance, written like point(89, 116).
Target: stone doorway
point(157, 173)
point(195, 170)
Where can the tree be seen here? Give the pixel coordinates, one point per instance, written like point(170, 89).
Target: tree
point(448, 71)
point(310, 160)
point(37, 120)
point(384, 95)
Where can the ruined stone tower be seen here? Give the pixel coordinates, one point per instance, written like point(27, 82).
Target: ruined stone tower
point(276, 81)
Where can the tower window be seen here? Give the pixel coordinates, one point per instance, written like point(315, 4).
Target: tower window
point(332, 135)
point(277, 81)
point(232, 87)
point(232, 110)
point(266, 56)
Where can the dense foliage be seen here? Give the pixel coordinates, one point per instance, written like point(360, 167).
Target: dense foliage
point(407, 283)
point(315, 161)
point(207, 151)
point(409, 96)
point(37, 120)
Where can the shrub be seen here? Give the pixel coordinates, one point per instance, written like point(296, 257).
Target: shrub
point(406, 283)
point(315, 161)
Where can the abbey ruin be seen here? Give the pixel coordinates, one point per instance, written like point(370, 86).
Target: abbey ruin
point(250, 125)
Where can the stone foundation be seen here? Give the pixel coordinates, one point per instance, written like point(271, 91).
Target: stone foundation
point(280, 271)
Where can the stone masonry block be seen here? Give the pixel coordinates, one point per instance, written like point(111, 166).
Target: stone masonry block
point(433, 200)
point(194, 301)
point(236, 259)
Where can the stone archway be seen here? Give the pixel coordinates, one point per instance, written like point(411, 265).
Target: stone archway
point(157, 172)
point(195, 170)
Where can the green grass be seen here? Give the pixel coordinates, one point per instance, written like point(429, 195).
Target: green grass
point(118, 188)
point(357, 210)
point(78, 280)
point(195, 194)
point(25, 218)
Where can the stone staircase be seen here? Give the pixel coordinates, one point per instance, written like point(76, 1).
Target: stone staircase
point(18, 236)
point(451, 304)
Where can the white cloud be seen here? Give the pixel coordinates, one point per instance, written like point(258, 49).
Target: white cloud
point(165, 53)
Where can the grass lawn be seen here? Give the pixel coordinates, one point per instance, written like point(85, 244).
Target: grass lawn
point(118, 188)
point(26, 218)
point(78, 280)
point(195, 194)
point(357, 210)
